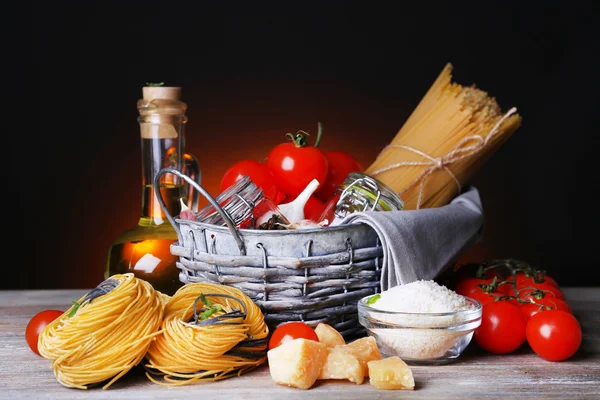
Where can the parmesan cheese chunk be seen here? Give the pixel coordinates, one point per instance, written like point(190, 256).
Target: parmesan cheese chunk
point(297, 363)
point(342, 365)
point(390, 373)
point(365, 349)
point(328, 335)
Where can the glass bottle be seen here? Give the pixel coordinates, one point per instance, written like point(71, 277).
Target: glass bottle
point(145, 249)
point(360, 192)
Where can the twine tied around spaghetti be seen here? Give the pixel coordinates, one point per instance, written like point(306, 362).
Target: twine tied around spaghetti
point(461, 151)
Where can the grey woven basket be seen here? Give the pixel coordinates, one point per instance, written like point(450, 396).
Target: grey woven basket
point(310, 275)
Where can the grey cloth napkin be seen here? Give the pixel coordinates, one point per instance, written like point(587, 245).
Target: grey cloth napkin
point(420, 244)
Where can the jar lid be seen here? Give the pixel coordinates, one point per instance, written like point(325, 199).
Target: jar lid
point(370, 192)
point(238, 201)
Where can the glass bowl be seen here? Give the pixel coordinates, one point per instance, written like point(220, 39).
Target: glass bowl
point(421, 338)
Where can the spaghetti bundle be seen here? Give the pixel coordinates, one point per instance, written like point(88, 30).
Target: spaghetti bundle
point(209, 332)
point(106, 334)
point(449, 135)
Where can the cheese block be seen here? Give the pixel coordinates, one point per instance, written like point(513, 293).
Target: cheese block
point(328, 335)
point(342, 365)
point(365, 349)
point(297, 363)
point(390, 373)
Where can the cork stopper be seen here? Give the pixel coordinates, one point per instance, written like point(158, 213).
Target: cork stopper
point(166, 106)
point(161, 92)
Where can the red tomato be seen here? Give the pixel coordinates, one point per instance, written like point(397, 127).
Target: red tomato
point(554, 335)
point(502, 328)
point(37, 324)
point(290, 331)
point(494, 272)
point(313, 208)
point(467, 285)
point(525, 286)
point(340, 166)
point(530, 309)
point(483, 297)
point(508, 289)
point(540, 290)
point(258, 173)
point(536, 279)
point(295, 164)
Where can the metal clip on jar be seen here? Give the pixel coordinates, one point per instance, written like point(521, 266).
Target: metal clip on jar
point(359, 193)
point(245, 203)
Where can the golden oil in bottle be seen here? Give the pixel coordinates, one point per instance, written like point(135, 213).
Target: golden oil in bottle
point(144, 250)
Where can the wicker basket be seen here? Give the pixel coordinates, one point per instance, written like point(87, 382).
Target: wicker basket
point(310, 275)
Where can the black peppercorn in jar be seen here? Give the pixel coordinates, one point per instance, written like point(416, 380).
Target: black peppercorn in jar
point(360, 192)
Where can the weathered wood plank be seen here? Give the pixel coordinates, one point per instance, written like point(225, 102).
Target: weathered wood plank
point(476, 375)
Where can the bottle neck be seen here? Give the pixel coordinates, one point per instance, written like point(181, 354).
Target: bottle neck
point(162, 145)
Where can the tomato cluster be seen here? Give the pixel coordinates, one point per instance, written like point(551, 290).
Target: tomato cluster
point(291, 166)
point(520, 303)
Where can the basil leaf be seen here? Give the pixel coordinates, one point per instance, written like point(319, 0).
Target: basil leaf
point(75, 308)
point(373, 299)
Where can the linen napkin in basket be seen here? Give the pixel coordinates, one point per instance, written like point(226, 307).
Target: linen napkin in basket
point(420, 244)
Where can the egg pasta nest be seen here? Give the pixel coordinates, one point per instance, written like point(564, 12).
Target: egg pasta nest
point(209, 332)
point(105, 334)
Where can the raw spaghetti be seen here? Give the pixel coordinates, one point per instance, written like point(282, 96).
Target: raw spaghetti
point(449, 135)
point(231, 340)
point(108, 334)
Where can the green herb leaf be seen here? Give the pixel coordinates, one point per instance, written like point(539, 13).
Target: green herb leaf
point(373, 299)
point(205, 300)
point(155, 84)
point(207, 313)
point(75, 308)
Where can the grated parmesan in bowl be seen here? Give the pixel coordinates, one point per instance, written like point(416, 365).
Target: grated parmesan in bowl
point(420, 322)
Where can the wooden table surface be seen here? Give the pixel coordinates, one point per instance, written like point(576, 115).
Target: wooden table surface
point(475, 375)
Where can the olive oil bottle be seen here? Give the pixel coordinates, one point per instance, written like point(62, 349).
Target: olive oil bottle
point(144, 249)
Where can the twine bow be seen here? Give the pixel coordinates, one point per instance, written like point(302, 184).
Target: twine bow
point(462, 151)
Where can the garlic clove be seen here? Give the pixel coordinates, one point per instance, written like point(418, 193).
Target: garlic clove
point(294, 211)
point(186, 213)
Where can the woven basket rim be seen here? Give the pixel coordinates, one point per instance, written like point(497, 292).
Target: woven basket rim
point(225, 229)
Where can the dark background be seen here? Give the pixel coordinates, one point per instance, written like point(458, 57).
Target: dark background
point(252, 71)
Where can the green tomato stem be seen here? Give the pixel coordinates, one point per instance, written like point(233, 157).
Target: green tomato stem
point(319, 134)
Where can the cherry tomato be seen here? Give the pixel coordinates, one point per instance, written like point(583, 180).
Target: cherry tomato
point(508, 289)
point(258, 173)
point(340, 166)
point(483, 297)
point(530, 309)
point(540, 290)
point(502, 328)
point(525, 286)
point(295, 164)
point(535, 279)
point(494, 272)
point(37, 324)
point(468, 284)
point(290, 331)
point(313, 209)
point(554, 335)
